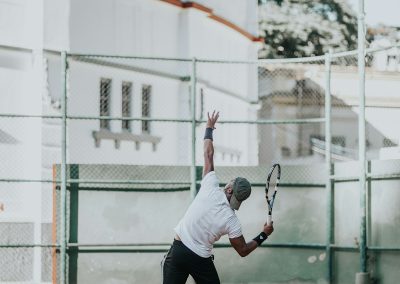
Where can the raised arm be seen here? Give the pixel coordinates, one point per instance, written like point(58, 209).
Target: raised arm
point(208, 143)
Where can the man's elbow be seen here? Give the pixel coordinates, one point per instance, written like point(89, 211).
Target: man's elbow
point(244, 253)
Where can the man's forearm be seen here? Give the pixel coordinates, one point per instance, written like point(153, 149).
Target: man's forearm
point(208, 152)
point(250, 246)
point(243, 248)
point(208, 149)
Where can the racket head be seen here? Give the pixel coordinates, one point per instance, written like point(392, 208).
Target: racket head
point(272, 184)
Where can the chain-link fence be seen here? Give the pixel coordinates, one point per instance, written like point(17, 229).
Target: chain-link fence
point(100, 165)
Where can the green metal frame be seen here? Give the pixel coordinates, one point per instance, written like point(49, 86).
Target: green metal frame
point(73, 184)
point(74, 248)
point(73, 224)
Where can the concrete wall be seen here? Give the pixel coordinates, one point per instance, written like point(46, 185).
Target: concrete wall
point(299, 217)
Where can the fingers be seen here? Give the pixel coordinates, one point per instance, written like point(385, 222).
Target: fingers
point(213, 117)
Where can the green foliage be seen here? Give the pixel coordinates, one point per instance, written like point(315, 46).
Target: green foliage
point(295, 28)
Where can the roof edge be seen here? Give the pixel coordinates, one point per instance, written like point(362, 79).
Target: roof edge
point(211, 15)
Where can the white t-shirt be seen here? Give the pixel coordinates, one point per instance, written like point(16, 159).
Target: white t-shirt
point(208, 218)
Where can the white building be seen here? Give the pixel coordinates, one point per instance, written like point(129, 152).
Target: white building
point(32, 35)
point(297, 91)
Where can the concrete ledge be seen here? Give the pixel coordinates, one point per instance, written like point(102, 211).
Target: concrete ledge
point(125, 136)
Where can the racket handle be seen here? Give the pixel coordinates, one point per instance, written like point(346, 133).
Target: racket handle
point(269, 219)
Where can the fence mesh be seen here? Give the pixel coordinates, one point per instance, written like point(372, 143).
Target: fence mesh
point(130, 124)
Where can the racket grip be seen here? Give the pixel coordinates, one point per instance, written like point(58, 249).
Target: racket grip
point(269, 219)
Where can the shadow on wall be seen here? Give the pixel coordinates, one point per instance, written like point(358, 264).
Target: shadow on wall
point(6, 138)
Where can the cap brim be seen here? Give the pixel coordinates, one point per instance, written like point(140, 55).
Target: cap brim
point(235, 204)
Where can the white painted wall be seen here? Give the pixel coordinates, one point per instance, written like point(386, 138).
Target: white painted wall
point(129, 27)
point(84, 100)
point(56, 24)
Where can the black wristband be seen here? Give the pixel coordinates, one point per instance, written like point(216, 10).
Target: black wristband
point(260, 238)
point(209, 133)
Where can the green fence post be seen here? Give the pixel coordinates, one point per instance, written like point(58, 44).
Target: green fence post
point(330, 224)
point(362, 275)
point(329, 167)
point(193, 134)
point(199, 176)
point(369, 220)
point(73, 224)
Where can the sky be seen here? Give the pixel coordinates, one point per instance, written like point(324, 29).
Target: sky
point(380, 11)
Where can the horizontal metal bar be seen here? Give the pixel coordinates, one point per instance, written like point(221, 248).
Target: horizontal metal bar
point(143, 182)
point(372, 177)
point(265, 61)
point(116, 181)
point(87, 245)
point(162, 247)
point(83, 181)
point(276, 121)
point(343, 178)
point(29, 245)
point(368, 50)
point(283, 184)
point(122, 118)
point(15, 115)
point(123, 250)
point(394, 249)
point(375, 177)
point(255, 184)
point(294, 245)
point(129, 57)
point(83, 117)
point(169, 182)
point(261, 121)
point(297, 60)
point(156, 247)
point(116, 189)
point(271, 61)
point(27, 180)
point(344, 248)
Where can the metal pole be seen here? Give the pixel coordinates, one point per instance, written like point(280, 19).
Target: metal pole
point(328, 160)
point(193, 186)
point(361, 140)
point(63, 197)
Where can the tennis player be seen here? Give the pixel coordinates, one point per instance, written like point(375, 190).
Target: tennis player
point(210, 216)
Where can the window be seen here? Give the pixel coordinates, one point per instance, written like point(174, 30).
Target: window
point(105, 94)
point(146, 101)
point(126, 104)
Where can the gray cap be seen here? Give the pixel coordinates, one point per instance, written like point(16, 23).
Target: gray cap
point(241, 191)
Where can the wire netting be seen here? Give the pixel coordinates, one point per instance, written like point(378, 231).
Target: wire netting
point(134, 136)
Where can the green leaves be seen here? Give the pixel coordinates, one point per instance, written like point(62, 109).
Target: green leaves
point(294, 28)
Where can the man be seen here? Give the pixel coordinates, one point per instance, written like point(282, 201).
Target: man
point(210, 216)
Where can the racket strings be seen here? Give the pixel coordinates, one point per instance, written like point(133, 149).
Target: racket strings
point(272, 187)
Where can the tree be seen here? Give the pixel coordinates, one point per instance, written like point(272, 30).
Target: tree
point(299, 28)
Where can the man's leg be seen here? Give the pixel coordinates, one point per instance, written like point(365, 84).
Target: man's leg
point(204, 272)
point(174, 271)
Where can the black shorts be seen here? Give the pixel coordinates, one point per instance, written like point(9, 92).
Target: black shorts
point(180, 261)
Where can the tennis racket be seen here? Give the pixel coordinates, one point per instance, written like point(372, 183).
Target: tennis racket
point(271, 188)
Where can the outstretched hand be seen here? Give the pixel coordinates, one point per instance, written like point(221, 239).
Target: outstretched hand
point(212, 119)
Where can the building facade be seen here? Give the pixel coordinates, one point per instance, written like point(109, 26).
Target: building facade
point(32, 35)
